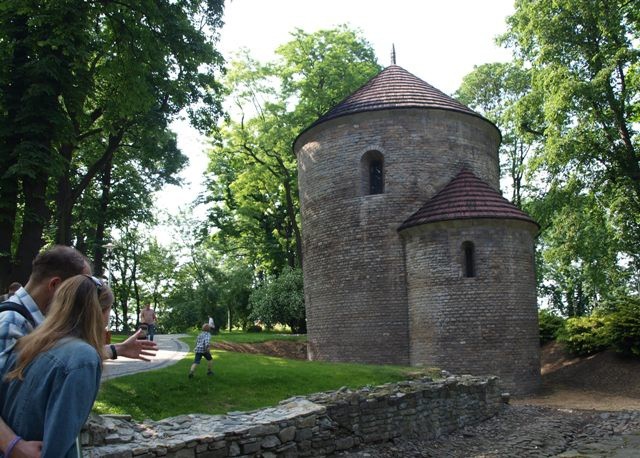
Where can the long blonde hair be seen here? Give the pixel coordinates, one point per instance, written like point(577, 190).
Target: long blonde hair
point(76, 311)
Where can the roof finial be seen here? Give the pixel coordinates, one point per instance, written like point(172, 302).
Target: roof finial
point(393, 54)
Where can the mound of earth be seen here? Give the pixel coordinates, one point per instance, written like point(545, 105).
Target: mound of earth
point(280, 348)
point(604, 381)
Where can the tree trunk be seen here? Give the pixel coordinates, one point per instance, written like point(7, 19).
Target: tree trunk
point(36, 215)
point(64, 202)
point(8, 212)
point(101, 224)
point(11, 94)
point(291, 213)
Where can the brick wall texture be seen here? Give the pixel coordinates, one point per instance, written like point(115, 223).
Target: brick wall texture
point(376, 295)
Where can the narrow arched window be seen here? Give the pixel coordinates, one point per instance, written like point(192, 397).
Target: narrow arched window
point(376, 185)
point(372, 172)
point(468, 253)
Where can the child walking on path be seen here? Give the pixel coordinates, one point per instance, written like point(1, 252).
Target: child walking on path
point(202, 349)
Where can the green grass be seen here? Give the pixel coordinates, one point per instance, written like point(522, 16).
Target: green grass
point(241, 382)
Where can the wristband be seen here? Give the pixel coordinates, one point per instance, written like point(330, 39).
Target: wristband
point(114, 354)
point(12, 444)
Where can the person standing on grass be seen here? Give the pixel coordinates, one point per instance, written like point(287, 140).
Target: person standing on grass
point(51, 377)
point(203, 346)
point(148, 317)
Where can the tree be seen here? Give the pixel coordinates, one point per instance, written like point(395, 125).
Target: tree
point(502, 93)
point(281, 300)
point(585, 65)
point(82, 82)
point(253, 184)
point(157, 266)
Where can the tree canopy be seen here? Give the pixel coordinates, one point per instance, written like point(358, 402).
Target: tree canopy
point(572, 96)
point(86, 93)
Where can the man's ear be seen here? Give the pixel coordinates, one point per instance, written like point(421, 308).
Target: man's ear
point(53, 284)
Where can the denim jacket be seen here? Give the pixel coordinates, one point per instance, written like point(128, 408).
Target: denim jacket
point(54, 400)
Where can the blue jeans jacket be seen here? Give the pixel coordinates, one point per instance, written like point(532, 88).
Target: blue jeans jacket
point(54, 400)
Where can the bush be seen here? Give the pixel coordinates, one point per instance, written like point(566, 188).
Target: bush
point(624, 327)
point(280, 300)
point(254, 328)
point(550, 324)
point(585, 335)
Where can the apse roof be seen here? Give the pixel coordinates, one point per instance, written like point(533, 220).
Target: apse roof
point(394, 87)
point(465, 197)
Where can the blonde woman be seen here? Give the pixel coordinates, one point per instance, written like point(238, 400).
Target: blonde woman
point(52, 377)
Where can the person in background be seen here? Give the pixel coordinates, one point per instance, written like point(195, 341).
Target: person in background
point(13, 287)
point(51, 377)
point(201, 349)
point(148, 317)
point(49, 269)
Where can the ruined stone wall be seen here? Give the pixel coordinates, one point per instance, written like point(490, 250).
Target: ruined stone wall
point(353, 259)
point(312, 426)
point(485, 324)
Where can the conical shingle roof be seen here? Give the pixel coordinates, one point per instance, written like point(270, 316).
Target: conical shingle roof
point(392, 88)
point(466, 197)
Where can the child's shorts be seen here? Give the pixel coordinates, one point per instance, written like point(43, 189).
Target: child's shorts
point(206, 354)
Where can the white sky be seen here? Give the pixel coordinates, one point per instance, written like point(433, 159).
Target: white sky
point(439, 41)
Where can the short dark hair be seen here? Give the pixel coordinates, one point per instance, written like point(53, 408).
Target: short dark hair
point(58, 261)
point(15, 286)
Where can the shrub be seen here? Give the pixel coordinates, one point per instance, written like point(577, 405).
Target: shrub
point(550, 325)
point(254, 328)
point(624, 326)
point(585, 335)
point(280, 300)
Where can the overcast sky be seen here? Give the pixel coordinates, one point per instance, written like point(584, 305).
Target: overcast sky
point(439, 41)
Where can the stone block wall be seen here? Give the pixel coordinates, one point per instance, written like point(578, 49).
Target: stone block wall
point(314, 426)
point(354, 277)
point(485, 324)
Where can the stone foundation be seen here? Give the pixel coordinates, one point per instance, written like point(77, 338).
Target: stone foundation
point(316, 425)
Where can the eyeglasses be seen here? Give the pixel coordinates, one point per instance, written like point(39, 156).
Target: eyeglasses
point(97, 282)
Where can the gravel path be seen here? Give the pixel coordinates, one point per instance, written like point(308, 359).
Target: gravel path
point(528, 431)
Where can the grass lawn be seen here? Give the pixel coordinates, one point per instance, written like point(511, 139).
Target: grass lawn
point(241, 382)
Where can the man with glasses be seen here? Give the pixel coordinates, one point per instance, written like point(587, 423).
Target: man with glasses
point(30, 304)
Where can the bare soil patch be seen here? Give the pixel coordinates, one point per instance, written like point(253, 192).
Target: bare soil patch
point(280, 348)
point(604, 381)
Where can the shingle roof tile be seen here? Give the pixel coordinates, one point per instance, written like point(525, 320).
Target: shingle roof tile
point(394, 87)
point(465, 197)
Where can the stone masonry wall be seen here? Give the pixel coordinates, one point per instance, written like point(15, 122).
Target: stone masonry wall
point(313, 426)
point(485, 324)
point(354, 278)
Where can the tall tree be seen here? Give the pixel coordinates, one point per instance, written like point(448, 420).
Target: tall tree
point(584, 61)
point(502, 93)
point(253, 170)
point(80, 83)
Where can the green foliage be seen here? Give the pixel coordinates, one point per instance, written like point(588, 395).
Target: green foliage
point(580, 108)
point(580, 249)
point(550, 324)
point(253, 174)
point(87, 92)
point(502, 93)
point(624, 326)
point(585, 335)
point(280, 300)
point(242, 382)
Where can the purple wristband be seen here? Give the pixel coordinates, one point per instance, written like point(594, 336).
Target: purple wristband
point(12, 444)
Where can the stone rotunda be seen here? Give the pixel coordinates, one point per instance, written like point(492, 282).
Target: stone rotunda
point(410, 253)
